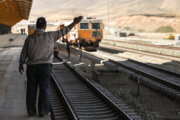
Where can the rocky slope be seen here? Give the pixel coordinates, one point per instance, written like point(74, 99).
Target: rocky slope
point(122, 12)
point(146, 23)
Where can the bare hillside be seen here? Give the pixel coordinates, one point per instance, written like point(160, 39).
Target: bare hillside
point(171, 5)
point(122, 13)
point(62, 8)
point(146, 23)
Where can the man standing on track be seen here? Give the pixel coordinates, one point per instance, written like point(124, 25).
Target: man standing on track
point(37, 53)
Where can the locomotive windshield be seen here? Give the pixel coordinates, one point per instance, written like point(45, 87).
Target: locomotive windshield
point(95, 25)
point(84, 26)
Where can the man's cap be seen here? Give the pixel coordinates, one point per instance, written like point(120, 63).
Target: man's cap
point(41, 22)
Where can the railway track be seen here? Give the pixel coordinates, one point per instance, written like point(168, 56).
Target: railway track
point(58, 105)
point(148, 45)
point(139, 52)
point(144, 52)
point(165, 81)
point(82, 99)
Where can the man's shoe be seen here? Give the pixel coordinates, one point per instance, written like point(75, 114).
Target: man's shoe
point(31, 114)
point(44, 115)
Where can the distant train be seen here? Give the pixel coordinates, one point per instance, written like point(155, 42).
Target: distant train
point(87, 34)
point(31, 28)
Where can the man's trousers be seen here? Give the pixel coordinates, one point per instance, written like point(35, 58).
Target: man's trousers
point(38, 76)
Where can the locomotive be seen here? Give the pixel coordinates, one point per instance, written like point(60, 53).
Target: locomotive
point(31, 28)
point(86, 35)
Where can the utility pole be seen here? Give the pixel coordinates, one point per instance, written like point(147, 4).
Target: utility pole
point(108, 16)
point(73, 11)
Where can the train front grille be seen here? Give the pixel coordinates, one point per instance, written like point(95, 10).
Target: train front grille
point(96, 34)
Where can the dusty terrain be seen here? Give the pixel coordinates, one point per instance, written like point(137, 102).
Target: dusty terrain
point(99, 7)
point(147, 23)
point(139, 15)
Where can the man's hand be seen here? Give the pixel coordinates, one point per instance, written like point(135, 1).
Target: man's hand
point(78, 19)
point(21, 68)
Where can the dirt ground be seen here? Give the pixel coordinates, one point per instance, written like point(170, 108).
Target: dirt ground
point(149, 104)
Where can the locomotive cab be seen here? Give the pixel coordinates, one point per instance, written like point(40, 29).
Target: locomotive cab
point(90, 32)
point(31, 28)
point(87, 34)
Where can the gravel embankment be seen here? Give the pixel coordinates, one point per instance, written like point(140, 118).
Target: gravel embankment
point(162, 51)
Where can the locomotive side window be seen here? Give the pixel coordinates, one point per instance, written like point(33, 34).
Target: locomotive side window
point(84, 26)
point(95, 25)
point(31, 27)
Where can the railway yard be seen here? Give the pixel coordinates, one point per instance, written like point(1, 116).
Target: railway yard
point(114, 82)
point(150, 82)
point(89, 60)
